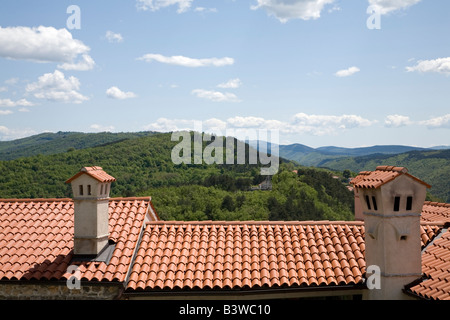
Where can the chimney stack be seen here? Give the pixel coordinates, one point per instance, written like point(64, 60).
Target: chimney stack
point(91, 187)
point(391, 200)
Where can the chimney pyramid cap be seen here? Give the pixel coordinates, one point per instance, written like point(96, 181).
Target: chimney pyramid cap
point(381, 176)
point(95, 172)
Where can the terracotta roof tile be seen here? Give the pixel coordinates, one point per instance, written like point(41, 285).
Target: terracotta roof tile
point(436, 270)
point(435, 212)
point(37, 239)
point(381, 176)
point(274, 255)
point(95, 172)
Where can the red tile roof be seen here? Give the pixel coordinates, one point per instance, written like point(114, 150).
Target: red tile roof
point(95, 172)
point(249, 254)
point(381, 176)
point(436, 269)
point(435, 212)
point(202, 255)
point(36, 239)
point(36, 242)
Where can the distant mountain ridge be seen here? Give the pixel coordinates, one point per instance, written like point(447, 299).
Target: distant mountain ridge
point(318, 157)
point(432, 166)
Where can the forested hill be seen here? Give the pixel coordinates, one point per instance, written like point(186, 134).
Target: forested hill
point(432, 167)
point(52, 143)
point(143, 167)
point(137, 164)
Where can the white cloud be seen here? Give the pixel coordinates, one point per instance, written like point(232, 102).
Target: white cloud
point(215, 96)
point(326, 124)
point(155, 5)
point(113, 37)
point(188, 62)
point(441, 65)
point(40, 44)
point(300, 123)
point(167, 125)
point(12, 81)
point(100, 128)
point(9, 103)
point(116, 93)
point(55, 87)
point(396, 121)
point(347, 72)
point(214, 125)
point(205, 10)
point(437, 122)
point(231, 84)
point(3, 89)
point(387, 6)
point(87, 63)
point(285, 10)
point(5, 112)
point(7, 134)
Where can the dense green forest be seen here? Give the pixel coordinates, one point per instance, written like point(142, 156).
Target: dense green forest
point(432, 167)
point(52, 143)
point(143, 167)
point(310, 195)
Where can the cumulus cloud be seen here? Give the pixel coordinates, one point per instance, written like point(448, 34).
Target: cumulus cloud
point(155, 5)
point(300, 123)
point(41, 44)
point(285, 10)
point(101, 128)
point(347, 72)
point(205, 10)
point(215, 96)
point(231, 84)
point(55, 87)
point(12, 81)
point(9, 103)
point(188, 62)
point(7, 134)
point(113, 37)
point(441, 65)
point(86, 63)
point(168, 125)
point(387, 6)
point(116, 93)
point(438, 122)
point(326, 124)
point(5, 112)
point(396, 121)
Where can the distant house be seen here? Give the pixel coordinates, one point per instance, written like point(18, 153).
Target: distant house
point(265, 185)
point(96, 247)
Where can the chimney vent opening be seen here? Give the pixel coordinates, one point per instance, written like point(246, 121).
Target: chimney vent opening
point(374, 201)
point(409, 202)
point(368, 203)
point(81, 189)
point(397, 204)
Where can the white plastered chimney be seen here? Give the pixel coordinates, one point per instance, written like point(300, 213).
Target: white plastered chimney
point(91, 188)
point(391, 201)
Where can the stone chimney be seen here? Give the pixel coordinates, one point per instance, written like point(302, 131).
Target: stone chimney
point(90, 189)
point(391, 201)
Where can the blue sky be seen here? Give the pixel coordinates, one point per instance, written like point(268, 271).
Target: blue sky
point(311, 69)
